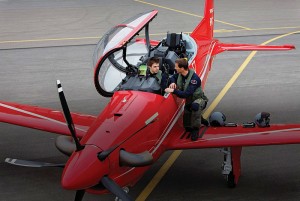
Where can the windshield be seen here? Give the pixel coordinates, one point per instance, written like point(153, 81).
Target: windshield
point(120, 34)
point(113, 69)
point(118, 51)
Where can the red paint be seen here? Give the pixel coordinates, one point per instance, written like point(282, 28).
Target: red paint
point(236, 162)
point(128, 111)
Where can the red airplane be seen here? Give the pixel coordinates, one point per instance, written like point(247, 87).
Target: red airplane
point(113, 150)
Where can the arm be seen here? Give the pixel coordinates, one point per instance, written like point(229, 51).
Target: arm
point(164, 81)
point(173, 81)
point(193, 85)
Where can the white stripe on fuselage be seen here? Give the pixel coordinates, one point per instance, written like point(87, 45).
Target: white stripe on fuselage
point(213, 43)
point(36, 115)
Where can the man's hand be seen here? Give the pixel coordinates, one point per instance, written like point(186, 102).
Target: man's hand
point(169, 90)
point(173, 86)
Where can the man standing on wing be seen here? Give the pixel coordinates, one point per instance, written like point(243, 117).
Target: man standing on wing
point(187, 84)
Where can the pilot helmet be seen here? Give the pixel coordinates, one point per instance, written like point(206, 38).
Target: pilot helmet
point(262, 119)
point(217, 119)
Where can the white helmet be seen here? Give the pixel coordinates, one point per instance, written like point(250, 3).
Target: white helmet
point(217, 119)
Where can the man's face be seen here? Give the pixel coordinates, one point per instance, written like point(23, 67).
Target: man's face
point(178, 70)
point(154, 68)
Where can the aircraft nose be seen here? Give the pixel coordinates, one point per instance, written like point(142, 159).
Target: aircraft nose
point(84, 169)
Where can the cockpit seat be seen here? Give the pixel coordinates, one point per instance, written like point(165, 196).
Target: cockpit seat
point(160, 51)
point(173, 40)
point(175, 43)
point(170, 61)
point(171, 48)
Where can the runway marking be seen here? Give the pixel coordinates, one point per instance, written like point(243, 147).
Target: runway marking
point(191, 14)
point(47, 39)
point(158, 176)
point(170, 161)
point(154, 34)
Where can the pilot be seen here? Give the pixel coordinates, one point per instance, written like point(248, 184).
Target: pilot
point(153, 71)
point(187, 84)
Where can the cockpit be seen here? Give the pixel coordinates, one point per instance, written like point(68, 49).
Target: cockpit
point(121, 56)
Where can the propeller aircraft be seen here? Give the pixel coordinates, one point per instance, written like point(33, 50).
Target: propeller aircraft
point(113, 150)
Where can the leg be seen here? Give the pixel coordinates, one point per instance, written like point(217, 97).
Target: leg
point(196, 119)
point(202, 106)
point(196, 122)
point(187, 120)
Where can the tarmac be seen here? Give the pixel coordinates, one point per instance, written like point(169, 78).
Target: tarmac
point(42, 41)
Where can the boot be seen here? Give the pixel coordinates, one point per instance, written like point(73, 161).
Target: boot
point(188, 129)
point(204, 121)
point(195, 134)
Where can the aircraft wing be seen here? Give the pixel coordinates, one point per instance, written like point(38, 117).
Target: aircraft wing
point(221, 47)
point(210, 137)
point(43, 118)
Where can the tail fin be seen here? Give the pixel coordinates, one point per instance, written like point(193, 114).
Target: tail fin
point(205, 28)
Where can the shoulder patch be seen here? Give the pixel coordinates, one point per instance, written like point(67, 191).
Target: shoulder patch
point(193, 81)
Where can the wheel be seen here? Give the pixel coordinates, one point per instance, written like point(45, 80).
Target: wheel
point(230, 180)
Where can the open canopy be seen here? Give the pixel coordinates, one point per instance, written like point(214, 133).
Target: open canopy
point(116, 51)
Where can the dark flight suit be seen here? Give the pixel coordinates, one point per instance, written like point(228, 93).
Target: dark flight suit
point(189, 87)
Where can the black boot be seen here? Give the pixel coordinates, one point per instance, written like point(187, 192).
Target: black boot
point(195, 134)
point(188, 129)
point(204, 121)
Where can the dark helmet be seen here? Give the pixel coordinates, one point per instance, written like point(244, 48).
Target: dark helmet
point(217, 119)
point(262, 119)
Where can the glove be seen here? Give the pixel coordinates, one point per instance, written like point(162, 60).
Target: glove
point(195, 106)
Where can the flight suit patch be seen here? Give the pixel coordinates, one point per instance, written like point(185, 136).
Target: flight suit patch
point(193, 81)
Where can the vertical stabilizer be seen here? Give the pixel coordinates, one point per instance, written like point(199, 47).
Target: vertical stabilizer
point(205, 28)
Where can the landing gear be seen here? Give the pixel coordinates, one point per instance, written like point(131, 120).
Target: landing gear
point(227, 167)
point(231, 167)
point(126, 189)
point(230, 180)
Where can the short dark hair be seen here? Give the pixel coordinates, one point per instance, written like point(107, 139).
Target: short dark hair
point(153, 60)
point(182, 63)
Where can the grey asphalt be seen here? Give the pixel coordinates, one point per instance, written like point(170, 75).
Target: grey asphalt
point(30, 66)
